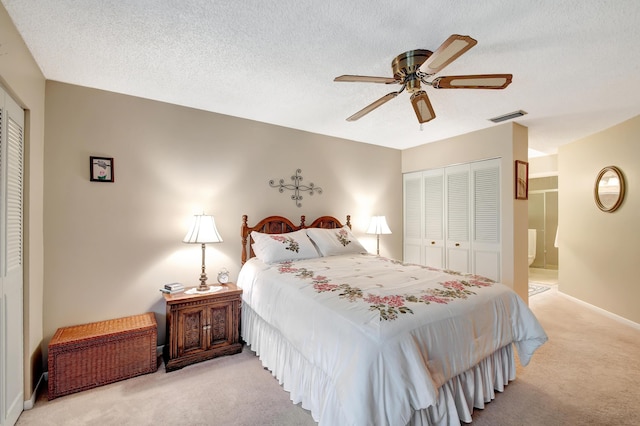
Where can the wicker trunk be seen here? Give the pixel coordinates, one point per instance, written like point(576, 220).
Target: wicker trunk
point(89, 355)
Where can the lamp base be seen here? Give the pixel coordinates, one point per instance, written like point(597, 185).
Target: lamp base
point(203, 281)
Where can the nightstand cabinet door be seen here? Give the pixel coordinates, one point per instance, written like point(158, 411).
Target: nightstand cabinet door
point(222, 321)
point(191, 330)
point(202, 326)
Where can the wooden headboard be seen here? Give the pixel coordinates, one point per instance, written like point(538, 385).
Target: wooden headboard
point(282, 225)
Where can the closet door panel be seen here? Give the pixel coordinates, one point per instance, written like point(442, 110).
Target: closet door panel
point(433, 238)
point(485, 183)
point(434, 256)
point(457, 218)
point(458, 259)
point(412, 254)
point(458, 205)
point(486, 202)
point(413, 224)
point(487, 264)
point(11, 259)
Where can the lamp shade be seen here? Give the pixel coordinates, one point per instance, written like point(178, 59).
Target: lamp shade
point(202, 231)
point(378, 226)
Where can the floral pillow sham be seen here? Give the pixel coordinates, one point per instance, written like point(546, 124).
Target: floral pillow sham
point(272, 248)
point(331, 242)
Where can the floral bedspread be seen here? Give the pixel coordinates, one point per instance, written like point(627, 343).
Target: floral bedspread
point(388, 334)
point(389, 305)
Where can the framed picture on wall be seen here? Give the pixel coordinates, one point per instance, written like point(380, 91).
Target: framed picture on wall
point(101, 169)
point(522, 180)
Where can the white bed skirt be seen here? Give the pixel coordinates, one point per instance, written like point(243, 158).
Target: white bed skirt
point(313, 389)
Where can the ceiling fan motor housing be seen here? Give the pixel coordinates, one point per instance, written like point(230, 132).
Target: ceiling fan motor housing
point(406, 65)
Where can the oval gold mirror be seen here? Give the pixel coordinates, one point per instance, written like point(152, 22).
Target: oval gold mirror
point(609, 190)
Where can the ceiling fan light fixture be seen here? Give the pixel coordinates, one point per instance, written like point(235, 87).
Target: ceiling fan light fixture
point(508, 116)
point(422, 107)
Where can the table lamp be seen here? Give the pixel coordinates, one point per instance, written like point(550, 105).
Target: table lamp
point(203, 231)
point(378, 226)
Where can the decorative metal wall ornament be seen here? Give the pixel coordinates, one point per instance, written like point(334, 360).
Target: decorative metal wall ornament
point(296, 186)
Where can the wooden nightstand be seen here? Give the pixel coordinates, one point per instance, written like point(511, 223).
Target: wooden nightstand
point(202, 326)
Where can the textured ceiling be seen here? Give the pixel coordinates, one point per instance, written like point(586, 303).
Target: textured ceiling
point(575, 63)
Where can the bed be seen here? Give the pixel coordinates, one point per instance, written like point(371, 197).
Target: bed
point(360, 339)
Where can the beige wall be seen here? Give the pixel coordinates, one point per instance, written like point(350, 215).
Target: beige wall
point(21, 77)
point(599, 251)
point(110, 246)
point(543, 166)
point(509, 142)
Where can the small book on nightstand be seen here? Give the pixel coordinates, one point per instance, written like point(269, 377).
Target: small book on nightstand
point(172, 288)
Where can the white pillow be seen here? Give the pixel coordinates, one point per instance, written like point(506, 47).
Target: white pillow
point(332, 242)
point(272, 248)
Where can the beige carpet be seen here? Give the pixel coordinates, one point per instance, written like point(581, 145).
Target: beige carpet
point(587, 374)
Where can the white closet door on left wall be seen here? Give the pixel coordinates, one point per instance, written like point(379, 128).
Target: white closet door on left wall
point(11, 259)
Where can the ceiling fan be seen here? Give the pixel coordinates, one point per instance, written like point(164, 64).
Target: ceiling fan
point(416, 66)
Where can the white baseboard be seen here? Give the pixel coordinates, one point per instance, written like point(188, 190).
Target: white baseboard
point(603, 311)
point(29, 403)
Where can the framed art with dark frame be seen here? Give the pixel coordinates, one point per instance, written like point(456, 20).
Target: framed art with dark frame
point(101, 169)
point(522, 180)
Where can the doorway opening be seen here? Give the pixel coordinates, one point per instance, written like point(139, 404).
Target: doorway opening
point(543, 223)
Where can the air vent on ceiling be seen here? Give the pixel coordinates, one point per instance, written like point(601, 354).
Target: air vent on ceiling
point(509, 116)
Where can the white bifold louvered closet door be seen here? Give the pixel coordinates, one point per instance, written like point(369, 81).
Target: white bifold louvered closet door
point(413, 220)
point(457, 214)
point(485, 225)
point(11, 259)
point(452, 218)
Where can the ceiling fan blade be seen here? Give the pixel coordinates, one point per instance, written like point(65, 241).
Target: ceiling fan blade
point(485, 81)
point(366, 110)
point(422, 106)
point(448, 52)
point(365, 79)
